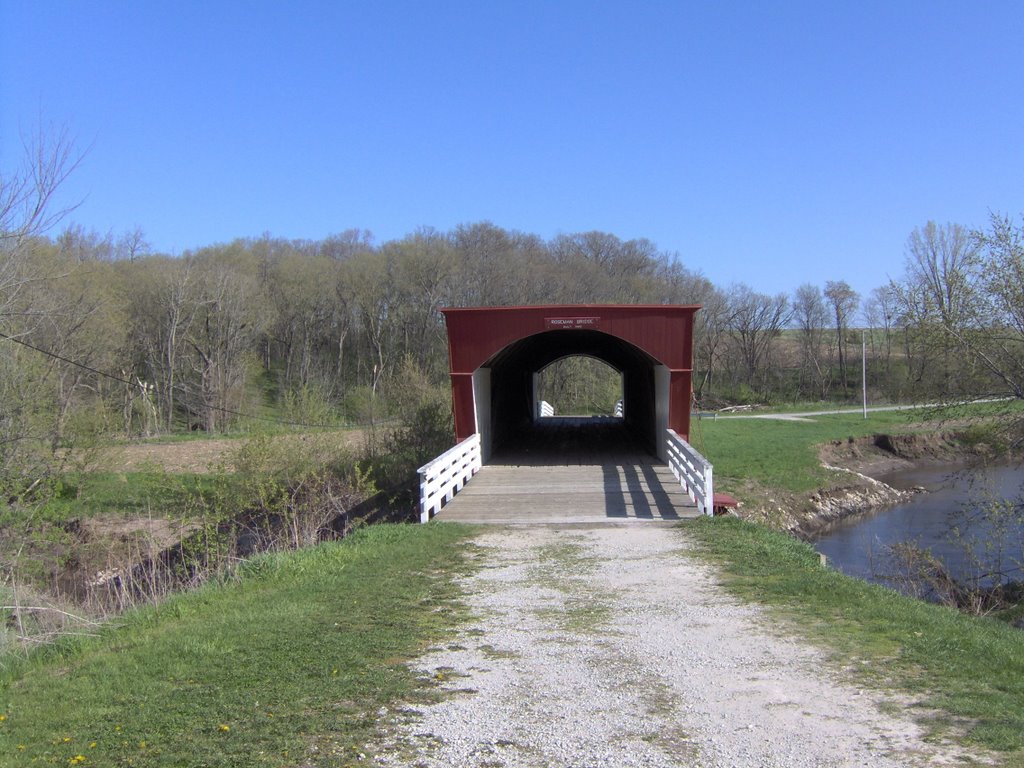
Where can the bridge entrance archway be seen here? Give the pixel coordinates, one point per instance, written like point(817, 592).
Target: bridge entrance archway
point(495, 354)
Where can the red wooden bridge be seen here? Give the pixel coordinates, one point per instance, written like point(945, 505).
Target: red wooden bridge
point(529, 467)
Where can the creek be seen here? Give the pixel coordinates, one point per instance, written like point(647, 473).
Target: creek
point(860, 546)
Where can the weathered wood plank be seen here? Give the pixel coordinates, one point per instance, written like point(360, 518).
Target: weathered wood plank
point(570, 494)
point(576, 470)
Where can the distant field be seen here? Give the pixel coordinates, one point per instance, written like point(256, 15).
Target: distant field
point(203, 455)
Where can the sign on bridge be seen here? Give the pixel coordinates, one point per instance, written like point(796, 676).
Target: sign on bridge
point(572, 323)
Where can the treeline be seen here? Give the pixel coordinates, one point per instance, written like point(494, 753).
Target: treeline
point(101, 335)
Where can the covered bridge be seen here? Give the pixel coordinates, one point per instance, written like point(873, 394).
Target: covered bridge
point(497, 353)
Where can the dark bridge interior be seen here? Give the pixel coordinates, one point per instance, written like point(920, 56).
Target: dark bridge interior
point(513, 426)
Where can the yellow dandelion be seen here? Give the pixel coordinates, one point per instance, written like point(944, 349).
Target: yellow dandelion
point(77, 759)
point(2, 718)
point(223, 728)
point(92, 745)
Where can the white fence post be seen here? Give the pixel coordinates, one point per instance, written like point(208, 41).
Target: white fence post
point(443, 477)
point(693, 472)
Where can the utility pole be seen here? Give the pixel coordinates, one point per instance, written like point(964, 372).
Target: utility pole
point(864, 372)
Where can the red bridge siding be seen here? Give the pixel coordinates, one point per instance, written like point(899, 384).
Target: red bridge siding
point(664, 333)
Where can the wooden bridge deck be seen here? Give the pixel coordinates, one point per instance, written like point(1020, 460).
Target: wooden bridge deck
point(570, 494)
point(571, 471)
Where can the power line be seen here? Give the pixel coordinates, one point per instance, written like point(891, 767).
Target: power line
point(183, 391)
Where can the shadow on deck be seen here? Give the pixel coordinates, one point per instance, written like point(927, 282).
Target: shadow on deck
point(571, 470)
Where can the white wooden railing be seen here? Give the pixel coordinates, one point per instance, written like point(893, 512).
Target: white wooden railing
point(618, 409)
point(443, 477)
point(692, 470)
point(544, 409)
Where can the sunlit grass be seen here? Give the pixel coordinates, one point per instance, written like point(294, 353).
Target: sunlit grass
point(779, 453)
point(285, 666)
point(969, 670)
point(122, 494)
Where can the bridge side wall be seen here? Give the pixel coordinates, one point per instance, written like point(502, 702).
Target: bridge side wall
point(475, 335)
point(662, 385)
point(482, 411)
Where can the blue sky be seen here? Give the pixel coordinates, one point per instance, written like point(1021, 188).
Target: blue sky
point(774, 143)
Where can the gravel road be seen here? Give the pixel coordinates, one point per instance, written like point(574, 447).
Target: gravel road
point(609, 646)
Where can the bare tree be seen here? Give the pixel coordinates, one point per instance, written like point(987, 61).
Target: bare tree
point(221, 340)
point(939, 300)
point(810, 315)
point(27, 207)
point(756, 319)
point(880, 312)
point(162, 306)
point(1000, 301)
point(132, 245)
point(27, 193)
point(80, 245)
point(709, 338)
point(941, 262)
point(844, 301)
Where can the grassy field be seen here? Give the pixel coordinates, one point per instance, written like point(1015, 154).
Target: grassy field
point(967, 673)
point(290, 663)
point(782, 454)
point(287, 665)
point(121, 494)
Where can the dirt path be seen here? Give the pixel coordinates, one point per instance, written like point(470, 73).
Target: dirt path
point(609, 646)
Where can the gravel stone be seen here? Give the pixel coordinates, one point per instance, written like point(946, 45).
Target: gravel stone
point(610, 646)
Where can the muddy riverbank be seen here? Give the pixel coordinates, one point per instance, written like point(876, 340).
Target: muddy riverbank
point(856, 465)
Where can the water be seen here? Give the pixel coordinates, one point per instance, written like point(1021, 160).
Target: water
point(861, 546)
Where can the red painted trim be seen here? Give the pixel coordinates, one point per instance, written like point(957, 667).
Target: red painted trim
point(665, 332)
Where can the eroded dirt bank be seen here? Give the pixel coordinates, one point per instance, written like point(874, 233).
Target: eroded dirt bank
point(856, 465)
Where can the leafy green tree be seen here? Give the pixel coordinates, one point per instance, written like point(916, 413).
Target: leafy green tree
point(28, 210)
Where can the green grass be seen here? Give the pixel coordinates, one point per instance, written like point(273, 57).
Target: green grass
point(970, 670)
point(782, 454)
point(286, 665)
point(125, 494)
